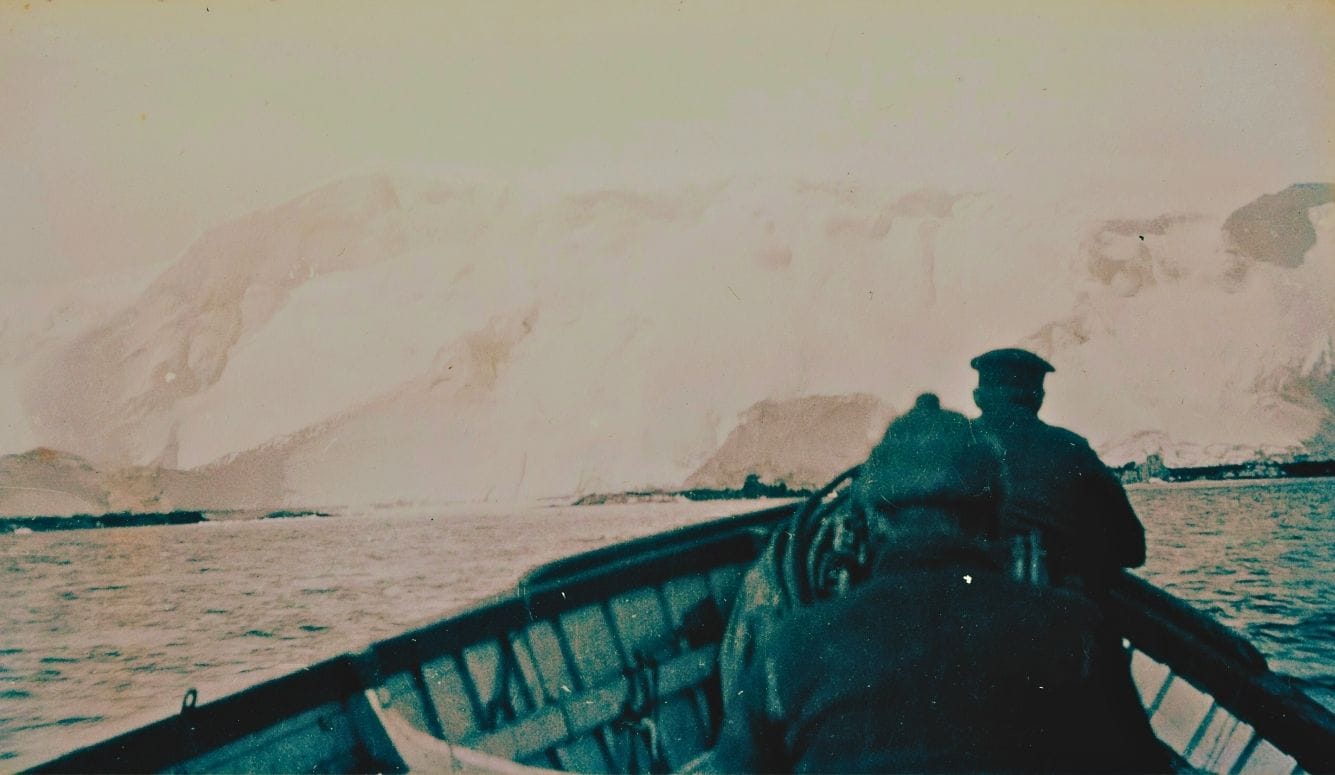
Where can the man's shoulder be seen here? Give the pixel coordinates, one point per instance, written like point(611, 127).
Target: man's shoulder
point(1031, 427)
point(1066, 436)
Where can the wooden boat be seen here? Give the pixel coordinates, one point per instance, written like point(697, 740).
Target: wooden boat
point(607, 662)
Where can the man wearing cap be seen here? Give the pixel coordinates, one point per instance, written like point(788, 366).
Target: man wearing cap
point(821, 552)
point(940, 660)
point(1062, 501)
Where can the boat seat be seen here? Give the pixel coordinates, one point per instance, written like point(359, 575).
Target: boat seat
point(551, 732)
point(421, 752)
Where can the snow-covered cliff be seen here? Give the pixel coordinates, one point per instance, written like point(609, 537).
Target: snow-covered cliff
point(382, 338)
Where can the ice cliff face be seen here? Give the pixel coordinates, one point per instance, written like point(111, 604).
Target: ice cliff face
point(387, 339)
point(121, 390)
point(1217, 336)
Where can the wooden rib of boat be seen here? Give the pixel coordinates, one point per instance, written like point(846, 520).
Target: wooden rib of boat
point(607, 662)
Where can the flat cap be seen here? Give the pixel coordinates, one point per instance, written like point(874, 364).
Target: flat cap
point(1011, 366)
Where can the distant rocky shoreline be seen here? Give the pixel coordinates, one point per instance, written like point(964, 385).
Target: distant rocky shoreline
point(1153, 469)
point(41, 524)
point(753, 488)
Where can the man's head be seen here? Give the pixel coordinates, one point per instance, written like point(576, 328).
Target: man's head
point(932, 476)
point(1009, 378)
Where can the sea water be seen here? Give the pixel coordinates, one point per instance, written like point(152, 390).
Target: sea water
point(102, 630)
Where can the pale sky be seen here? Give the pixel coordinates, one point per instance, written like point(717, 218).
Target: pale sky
point(127, 128)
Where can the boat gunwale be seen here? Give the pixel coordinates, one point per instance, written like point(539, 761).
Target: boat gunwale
point(170, 740)
point(566, 567)
point(1225, 666)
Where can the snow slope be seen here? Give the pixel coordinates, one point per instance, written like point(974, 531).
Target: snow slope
point(385, 338)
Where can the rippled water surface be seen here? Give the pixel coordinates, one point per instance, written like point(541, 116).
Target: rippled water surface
point(104, 629)
point(1260, 557)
